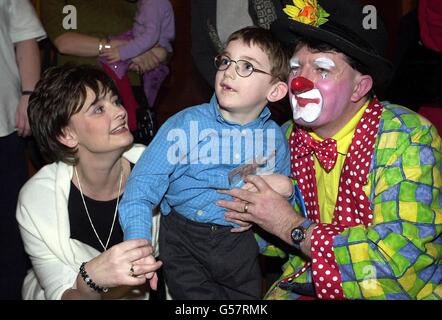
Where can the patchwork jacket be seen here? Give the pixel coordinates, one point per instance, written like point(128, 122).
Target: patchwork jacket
point(399, 255)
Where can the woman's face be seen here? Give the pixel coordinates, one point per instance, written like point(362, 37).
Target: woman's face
point(101, 125)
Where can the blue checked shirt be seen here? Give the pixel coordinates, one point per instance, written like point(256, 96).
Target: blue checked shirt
point(190, 159)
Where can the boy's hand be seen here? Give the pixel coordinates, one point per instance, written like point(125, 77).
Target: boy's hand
point(151, 276)
point(277, 182)
point(112, 55)
point(117, 42)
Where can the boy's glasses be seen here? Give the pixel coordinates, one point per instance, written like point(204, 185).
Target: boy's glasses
point(242, 67)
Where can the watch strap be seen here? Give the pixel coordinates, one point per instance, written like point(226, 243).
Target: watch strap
point(306, 224)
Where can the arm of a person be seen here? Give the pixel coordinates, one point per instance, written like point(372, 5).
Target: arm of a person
point(25, 30)
point(58, 278)
point(53, 275)
point(148, 19)
point(122, 266)
point(203, 51)
point(147, 184)
point(28, 61)
point(149, 60)
point(77, 44)
point(392, 255)
point(67, 41)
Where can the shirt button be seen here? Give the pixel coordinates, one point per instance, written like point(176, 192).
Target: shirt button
point(236, 155)
point(200, 212)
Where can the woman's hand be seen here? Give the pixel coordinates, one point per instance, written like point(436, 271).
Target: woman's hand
point(266, 208)
point(123, 264)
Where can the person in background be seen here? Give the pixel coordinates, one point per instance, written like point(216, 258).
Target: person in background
point(67, 212)
point(368, 221)
point(154, 25)
point(79, 43)
point(20, 30)
point(430, 24)
point(212, 22)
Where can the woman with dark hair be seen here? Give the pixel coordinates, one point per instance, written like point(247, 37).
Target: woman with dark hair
point(67, 212)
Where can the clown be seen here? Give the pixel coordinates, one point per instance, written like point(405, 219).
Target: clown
point(368, 217)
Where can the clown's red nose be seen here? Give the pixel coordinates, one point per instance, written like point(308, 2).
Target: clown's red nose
point(300, 85)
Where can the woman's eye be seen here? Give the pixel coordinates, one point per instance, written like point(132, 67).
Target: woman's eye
point(118, 102)
point(99, 109)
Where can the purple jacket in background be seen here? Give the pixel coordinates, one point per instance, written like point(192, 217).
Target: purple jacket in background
point(154, 23)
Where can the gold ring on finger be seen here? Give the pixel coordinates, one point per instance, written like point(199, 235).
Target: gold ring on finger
point(132, 271)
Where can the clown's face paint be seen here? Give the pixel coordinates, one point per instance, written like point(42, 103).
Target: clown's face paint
point(321, 85)
point(306, 100)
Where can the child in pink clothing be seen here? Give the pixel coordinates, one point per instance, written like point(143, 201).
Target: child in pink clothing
point(154, 25)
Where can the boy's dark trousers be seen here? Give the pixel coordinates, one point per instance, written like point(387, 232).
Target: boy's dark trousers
point(207, 261)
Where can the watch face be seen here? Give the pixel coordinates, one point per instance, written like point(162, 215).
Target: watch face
point(298, 235)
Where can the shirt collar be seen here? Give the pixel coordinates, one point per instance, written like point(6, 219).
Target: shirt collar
point(262, 118)
point(344, 136)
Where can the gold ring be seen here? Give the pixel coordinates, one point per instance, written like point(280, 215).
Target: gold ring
point(132, 271)
point(246, 208)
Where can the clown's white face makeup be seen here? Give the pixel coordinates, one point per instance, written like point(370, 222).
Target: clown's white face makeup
point(306, 101)
point(321, 86)
point(326, 65)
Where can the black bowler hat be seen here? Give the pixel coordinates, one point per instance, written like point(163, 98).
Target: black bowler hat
point(342, 24)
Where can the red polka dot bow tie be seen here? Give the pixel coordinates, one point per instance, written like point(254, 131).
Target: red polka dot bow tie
point(326, 151)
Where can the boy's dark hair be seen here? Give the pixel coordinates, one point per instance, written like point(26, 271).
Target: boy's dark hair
point(61, 93)
point(264, 39)
point(319, 46)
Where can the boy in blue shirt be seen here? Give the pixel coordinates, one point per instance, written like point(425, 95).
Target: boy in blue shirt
point(192, 156)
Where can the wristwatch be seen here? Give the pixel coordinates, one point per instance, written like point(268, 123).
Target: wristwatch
point(298, 233)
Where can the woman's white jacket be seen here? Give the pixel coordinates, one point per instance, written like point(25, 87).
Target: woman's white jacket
point(42, 214)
